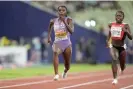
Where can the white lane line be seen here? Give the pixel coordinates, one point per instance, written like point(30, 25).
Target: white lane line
point(127, 87)
point(47, 81)
point(25, 84)
point(45, 76)
point(24, 78)
point(33, 77)
point(94, 82)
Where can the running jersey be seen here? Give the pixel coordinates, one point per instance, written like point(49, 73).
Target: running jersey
point(60, 30)
point(116, 30)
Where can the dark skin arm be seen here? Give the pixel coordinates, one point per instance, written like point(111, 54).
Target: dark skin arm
point(50, 30)
point(69, 25)
point(128, 32)
point(109, 35)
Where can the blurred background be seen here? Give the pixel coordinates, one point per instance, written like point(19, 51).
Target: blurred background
point(23, 31)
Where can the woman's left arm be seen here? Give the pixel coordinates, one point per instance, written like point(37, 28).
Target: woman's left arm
point(69, 25)
point(128, 32)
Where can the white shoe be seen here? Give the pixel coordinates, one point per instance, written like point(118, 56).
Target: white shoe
point(56, 77)
point(64, 75)
point(115, 81)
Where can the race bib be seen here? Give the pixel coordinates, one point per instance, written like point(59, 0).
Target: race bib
point(60, 35)
point(116, 31)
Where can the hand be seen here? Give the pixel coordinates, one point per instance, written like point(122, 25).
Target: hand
point(107, 45)
point(125, 30)
point(49, 39)
point(62, 18)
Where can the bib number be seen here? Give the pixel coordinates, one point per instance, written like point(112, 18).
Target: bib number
point(61, 35)
point(59, 39)
point(116, 31)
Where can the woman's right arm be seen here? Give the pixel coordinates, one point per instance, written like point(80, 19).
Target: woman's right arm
point(50, 30)
point(109, 35)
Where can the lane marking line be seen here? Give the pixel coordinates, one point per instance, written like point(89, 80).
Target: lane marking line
point(94, 82)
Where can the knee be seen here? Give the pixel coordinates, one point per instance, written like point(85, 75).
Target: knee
point(55, 54)
point(114, 55)
point(114, 62)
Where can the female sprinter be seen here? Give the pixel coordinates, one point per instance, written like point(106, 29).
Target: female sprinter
point(63, 27)
point(118, 32)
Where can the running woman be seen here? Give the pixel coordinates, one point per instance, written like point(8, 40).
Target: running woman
point(63, 28)
point(118, 32)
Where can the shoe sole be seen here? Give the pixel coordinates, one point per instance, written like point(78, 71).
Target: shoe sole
point(56, 79)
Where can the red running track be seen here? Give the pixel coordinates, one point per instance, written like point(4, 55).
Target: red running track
point(88, 80)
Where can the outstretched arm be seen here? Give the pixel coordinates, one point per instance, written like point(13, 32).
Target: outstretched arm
point(50, 30)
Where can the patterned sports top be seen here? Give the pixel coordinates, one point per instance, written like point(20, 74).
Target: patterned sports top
point(60, 30)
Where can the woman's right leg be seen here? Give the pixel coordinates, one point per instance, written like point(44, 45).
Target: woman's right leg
point(55, 62)
point(56, 52)
point(114, 54)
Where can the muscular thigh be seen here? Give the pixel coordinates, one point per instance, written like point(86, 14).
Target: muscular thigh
point(56, 49)
point(114, 53)
point(67, 52)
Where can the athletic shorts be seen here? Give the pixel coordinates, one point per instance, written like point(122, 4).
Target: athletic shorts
point(60, 47)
